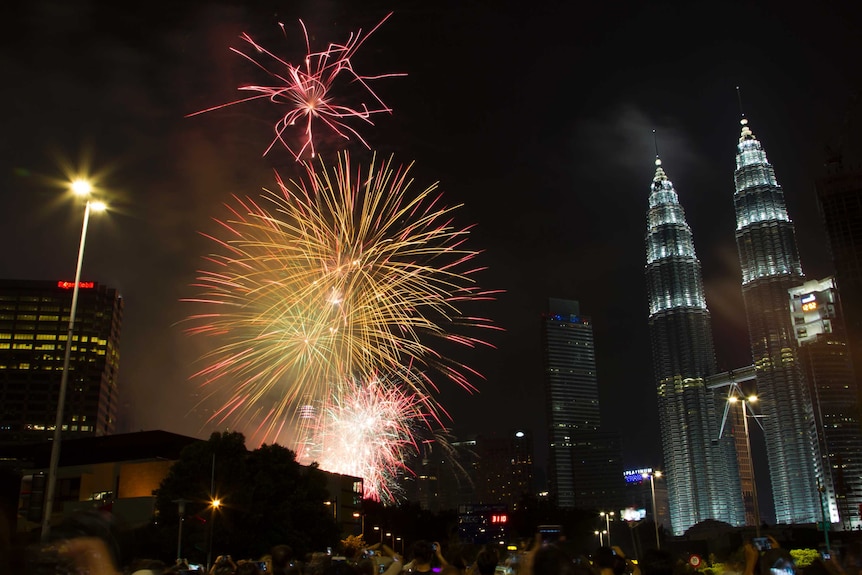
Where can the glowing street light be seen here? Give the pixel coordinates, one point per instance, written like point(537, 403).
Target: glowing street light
point(601, 536)
point(735, 396)
point(607, 515)
point(214, 506)
point(81, 188)
point(652, 475)
point(361, 517)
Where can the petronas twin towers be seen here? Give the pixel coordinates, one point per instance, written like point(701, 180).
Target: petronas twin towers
point(700, 467)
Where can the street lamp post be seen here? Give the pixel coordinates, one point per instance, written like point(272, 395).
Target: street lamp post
point(80, 188)
point(216, 503)
point(598, 534)
point(607, 515)
point(361, 517)
point(736, 397)
point(181, 504)
point(377, 528)
point(652, 475)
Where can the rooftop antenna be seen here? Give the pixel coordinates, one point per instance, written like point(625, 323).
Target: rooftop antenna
point(739, 98)
point(659, 172)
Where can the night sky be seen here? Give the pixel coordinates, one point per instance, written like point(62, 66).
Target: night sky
point(538, 117)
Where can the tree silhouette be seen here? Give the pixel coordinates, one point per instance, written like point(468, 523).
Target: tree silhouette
point(266, 498)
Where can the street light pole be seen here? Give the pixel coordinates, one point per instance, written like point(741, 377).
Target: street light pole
point(361, 517)
point(735, 395)
point(214, 507)
point(181, 511)
point(81, 188)
point(607, 516)
point(751, 464)
point(652, 475)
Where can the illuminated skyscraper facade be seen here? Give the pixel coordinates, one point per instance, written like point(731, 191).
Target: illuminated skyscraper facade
point(700, 468)
point(770, 264)
point(585, 462)
point(34, 323)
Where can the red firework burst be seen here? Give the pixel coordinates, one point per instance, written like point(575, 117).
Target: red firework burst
point(310, 91)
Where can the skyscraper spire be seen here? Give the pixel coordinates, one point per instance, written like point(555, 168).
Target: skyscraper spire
point(769, 260)
point(659, 171)
point(700, 472)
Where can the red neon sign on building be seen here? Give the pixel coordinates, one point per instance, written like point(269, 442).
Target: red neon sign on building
point(81, 285)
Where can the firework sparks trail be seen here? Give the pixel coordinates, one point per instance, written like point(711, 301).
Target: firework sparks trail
point(368, 429)
point(337, 275)
point(310, 91)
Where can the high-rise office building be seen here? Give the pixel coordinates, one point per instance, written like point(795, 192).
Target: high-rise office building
point(825, 358)
point(770, 264)
point(700, 468)
point(585, 461)
point(839, 193)
point(443, 475)
point(504, 470)
point(34, 327)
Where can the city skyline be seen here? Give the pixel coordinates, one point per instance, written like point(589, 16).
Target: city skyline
point(556, 194)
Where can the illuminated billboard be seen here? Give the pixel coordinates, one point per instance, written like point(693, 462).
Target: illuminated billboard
point(636, 475)
point(632, 514)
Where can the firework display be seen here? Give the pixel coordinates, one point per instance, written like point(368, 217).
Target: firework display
point(365, 429)
point(330, 300)
point(343, 273)
point(310, 92)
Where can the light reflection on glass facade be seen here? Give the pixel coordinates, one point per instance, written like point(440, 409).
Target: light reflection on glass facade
point(770, 266)
point(700, 469)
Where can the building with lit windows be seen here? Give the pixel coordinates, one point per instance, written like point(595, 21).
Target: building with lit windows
point(585, 462)
point(825, 359)
point(770, 264)
point(444, 475)
point(504, 470)
point(700, 468)
point(34, 327)
point(839, 193)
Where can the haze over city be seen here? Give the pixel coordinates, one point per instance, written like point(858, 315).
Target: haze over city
point(538, 119)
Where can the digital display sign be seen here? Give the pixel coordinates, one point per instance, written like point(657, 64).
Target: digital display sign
point(809, 302)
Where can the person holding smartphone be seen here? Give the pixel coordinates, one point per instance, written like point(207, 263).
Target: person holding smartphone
point(389, 562)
